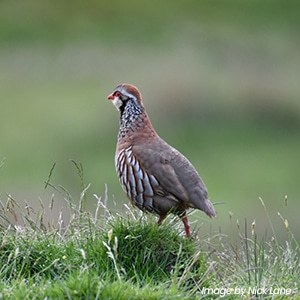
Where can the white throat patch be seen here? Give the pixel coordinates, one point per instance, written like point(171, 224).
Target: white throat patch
point(117, 102)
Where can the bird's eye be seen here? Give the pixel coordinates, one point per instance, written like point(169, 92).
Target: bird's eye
point(117, 94)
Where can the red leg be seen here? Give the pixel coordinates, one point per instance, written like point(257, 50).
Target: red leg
point(160, 219)
point(186, 225)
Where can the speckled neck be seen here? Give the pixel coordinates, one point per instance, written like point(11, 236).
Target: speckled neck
point(131, 119)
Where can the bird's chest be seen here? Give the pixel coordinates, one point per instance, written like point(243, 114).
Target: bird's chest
point(137, 183)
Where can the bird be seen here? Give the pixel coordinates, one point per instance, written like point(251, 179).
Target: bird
point(156, 177)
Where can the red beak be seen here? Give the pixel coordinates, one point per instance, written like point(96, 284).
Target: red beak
point(111, 96)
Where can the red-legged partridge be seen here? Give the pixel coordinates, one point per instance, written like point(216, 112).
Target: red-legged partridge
point(156, 177)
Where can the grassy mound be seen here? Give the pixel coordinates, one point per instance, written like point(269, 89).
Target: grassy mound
point(125, 255)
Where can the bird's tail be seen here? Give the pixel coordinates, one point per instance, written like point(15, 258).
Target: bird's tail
point(209, 209)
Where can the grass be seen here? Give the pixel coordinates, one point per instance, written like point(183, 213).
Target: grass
point(125, 255)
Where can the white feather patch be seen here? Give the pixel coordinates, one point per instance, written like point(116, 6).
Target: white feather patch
point(117, 102)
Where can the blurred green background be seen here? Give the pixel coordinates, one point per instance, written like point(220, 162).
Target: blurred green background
point(220, 81)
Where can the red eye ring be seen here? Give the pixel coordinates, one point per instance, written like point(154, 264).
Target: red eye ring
point(117, 94)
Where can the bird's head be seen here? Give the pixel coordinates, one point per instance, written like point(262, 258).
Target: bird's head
point(124, 94)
